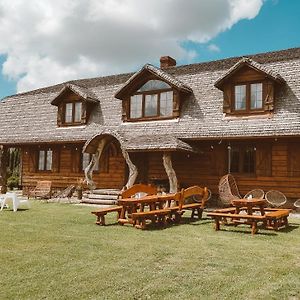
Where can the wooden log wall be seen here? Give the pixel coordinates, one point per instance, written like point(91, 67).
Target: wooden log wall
point(206, 168)
point(66, 174)
point(277, 167)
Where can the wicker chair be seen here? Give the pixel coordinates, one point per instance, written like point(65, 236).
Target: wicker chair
point(297, 203)
point(256, 193)
point(228, 189)
point(275, 198)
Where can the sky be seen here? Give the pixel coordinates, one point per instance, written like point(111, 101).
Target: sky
point(52, 41)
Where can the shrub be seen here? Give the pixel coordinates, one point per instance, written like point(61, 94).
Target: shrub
point(13, 182)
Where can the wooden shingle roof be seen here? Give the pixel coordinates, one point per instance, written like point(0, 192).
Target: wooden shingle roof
point(30, 118)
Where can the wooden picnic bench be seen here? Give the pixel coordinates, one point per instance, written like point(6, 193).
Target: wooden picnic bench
point(237, 219)
point(156, 216)
point(277, 219)
point(101, 213)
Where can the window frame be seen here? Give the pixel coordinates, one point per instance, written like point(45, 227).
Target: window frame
point(73, 122)
point(248, 109)
point(158, 115)
point(241, 164)
point(45, 160)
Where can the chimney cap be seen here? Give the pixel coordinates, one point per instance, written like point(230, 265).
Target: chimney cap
point(167, 61)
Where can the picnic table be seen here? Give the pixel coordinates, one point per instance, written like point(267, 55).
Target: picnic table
point(133, 209)
point(248, 205)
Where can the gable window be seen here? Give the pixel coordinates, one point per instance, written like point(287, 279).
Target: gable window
point(248, 97)
point(153, 100)
point(242, 159)
point(73, 112)
point(45, 160)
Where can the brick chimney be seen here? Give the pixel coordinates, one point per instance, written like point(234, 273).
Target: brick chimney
point(166, 62)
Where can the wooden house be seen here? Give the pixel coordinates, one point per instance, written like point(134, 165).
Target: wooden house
point(173, 125)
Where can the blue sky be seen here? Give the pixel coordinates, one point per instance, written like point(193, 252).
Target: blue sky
point(276, 26)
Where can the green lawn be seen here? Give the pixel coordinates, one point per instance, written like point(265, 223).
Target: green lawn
point(55, 251)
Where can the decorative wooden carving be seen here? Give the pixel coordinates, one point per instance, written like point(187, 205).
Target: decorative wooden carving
point(170, 172)
point(133, 171)
point(4, 157)
point(90, 168)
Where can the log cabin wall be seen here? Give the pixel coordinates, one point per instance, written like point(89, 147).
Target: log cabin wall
point(67, 168)
point(277, 167)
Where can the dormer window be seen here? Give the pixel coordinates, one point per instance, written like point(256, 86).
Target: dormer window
point(249, 88)
point(153, 100)
point(248, 97)
point(72, 112)
point(152, 94)
point(74, 105)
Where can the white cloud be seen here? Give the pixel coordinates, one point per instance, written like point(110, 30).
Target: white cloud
point(213, 48)
point(51, 41)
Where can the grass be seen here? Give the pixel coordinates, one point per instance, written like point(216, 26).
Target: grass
point(55, 251)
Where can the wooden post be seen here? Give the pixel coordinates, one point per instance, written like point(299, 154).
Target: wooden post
point(170, 172)
point(4, 157)
point(88, 171)
point(133, 171)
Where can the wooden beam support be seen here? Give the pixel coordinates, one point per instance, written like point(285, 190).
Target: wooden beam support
point(167, 160)
point(133, 171)
point(90, 168)
point(4, 158)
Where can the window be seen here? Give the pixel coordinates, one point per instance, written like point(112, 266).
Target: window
point(242, 159)
point(153, 100)
point(73, 112)
point(248, 97)
point(45, 160)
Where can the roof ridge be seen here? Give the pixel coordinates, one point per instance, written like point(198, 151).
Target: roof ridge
point(267, 57)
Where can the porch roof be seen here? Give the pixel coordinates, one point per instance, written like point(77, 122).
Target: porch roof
point(157, 143)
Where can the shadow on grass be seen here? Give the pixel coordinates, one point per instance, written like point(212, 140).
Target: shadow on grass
point(7, 210)
point(292, 227)
point(269, 233)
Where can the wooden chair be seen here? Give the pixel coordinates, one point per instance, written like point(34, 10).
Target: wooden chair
point(275, 198)
point(139, 188)
point(196, 207)
point(228, 189)
point(42, 190)
point(256, 193)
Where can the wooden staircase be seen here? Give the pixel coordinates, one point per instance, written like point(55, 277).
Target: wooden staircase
point(102, 197)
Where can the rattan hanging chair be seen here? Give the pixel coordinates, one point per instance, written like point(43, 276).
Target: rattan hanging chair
point(275, 198)
point(256, 194)
point(228, 189)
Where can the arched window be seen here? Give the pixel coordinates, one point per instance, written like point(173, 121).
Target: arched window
point(152, 100)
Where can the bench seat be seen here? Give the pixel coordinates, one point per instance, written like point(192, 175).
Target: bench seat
point(159, 215)
point(252, 219)
point(101, 213)
point(277, 219)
